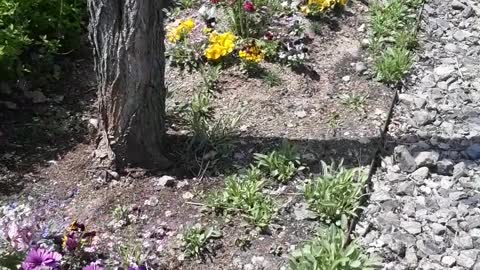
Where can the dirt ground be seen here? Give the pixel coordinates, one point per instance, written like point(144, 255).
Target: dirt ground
point(53, 170)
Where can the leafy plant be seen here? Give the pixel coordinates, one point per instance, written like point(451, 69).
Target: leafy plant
point(196, 239)
point(243, 195)
point(121, 215)
point(272, 78)
point(394, 64)
point(336, 192)
point(354, 101)
point(326, 252)
point(210, 75)
point(47, 25)
point(211, 137)
point(393, 36)
point(186, 4)
point(281, 165)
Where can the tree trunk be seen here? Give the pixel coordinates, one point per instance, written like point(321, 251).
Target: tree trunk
point(127, 36)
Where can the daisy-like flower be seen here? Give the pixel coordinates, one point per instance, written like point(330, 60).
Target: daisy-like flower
point(93, 266)
point(40, 259)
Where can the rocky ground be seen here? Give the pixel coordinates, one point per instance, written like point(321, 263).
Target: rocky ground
point(424, 210)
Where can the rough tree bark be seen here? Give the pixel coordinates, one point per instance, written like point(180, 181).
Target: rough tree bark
point(127, 36)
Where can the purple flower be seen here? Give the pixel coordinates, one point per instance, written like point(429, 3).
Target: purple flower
point(41, 259)
point(93, 266)
point(70, 242)
point(141, 267)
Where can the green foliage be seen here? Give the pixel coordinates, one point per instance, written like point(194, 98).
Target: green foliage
point(195, 240)
point(184, 55)
point(10, 260)
point(212, 137)
point(393, 37)
point(272, 78)
point(186, 4)
point(131, 252)
point(354, 101)
point(281, 165)
point(326, 252)
point(336, 193)
point(210, 75)
point(121, 214)
point(46, 24)
point(269, 48)
point(394, 64)
point(243, 194)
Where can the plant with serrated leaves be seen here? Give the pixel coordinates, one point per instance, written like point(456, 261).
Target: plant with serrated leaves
point(243, 195)
point(280, 164)
point(196, 239)
point(336, 192)
point(326, 252)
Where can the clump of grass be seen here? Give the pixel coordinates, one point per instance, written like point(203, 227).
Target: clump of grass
point(354, 101)
point(393, 37)
point(212, 138)
point(280, 164)
point(326, 251)
point(196, 239)
point(243, 195)
point(336, 192)
point(272, 78)
point(394, 64)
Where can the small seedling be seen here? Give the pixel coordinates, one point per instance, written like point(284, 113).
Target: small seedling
point(326, 251)
point(121, 216)
point(280, 164)
point(336, 192)
point(354, 101)
point(334, 120)
point(196, 239)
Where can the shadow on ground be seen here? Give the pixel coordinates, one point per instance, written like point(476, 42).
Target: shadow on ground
point(33, 134)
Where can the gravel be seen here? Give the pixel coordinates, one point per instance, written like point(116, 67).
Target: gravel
point(424, 209)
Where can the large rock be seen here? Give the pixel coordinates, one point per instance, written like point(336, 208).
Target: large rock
point(473, 151)
point(428, 159)
point(405, 160)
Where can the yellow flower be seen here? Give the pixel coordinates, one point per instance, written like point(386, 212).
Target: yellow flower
point(251, 53)
point(305, 10)
point(220, 45)
point(181, 31)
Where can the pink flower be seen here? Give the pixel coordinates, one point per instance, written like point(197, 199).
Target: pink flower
point(18, 236)
point(248, 6)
